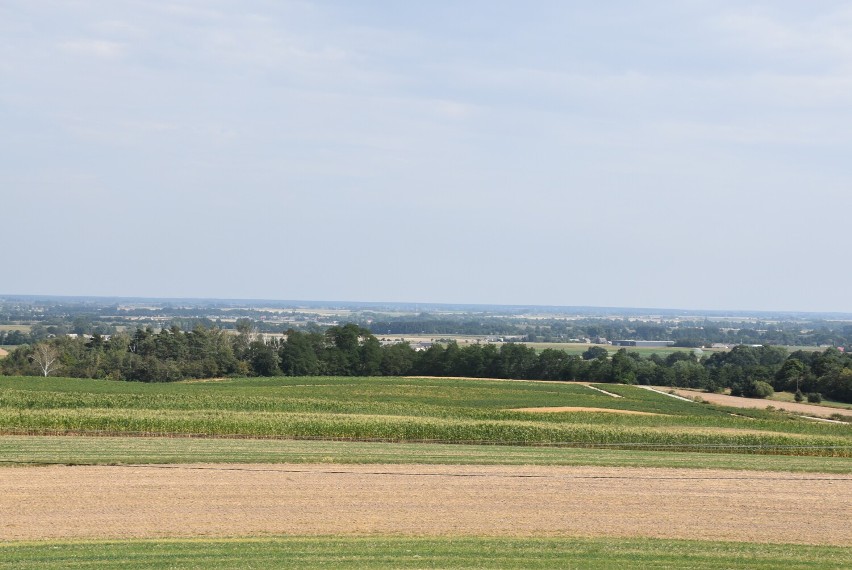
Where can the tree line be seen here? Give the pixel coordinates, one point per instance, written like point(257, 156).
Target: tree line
point(351, 350)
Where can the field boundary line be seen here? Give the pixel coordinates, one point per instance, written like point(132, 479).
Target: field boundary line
point(595, 388)
point(675, 396)
point(267, 469)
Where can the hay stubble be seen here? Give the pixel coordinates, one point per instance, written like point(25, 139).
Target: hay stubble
point(61, 502)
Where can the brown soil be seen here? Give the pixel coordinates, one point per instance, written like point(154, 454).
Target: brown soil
point(3, 353)
point(760, 404)
point(61, 502)
point(581, 409)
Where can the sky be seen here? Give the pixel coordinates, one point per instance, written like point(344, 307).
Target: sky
point(693, 154)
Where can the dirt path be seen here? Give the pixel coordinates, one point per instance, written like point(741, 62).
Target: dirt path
point(238, 500)
point(737, 402)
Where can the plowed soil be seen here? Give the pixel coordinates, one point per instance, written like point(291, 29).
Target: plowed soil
point(239, 500)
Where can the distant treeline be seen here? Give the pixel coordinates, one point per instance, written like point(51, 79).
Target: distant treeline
point(54, 318)
point(349, 350)
point(686, 334)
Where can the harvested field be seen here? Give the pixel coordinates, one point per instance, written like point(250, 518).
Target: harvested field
point(756, 403)
point(61, 502)
point(554, 409)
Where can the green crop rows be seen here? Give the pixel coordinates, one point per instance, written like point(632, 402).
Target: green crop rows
point(404, 409)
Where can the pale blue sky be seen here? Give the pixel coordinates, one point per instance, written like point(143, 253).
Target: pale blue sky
point(693, 154)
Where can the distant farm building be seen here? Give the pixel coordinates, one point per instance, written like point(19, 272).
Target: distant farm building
point(645, 343)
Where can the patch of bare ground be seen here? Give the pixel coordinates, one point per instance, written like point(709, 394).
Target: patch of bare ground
point(3, 353)
point(553, 409)
point(62, 502)
point(760, 404)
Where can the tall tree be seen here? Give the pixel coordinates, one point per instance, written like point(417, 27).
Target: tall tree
point(46, 356)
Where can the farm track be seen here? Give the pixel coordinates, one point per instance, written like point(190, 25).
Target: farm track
point(415, 500)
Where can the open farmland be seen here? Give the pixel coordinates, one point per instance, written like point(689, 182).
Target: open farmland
point(405, 409)
point(572, 348)
point(843, 412)
point(376, 472)
point(418, 500)
point(20, 450)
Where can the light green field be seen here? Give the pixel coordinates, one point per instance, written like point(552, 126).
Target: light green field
point(406, 410)
point(399, 552)
point(78, 450)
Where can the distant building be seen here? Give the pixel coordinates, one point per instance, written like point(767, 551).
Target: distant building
point(645, 343)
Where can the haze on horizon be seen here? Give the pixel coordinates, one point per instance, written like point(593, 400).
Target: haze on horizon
point(626, 154)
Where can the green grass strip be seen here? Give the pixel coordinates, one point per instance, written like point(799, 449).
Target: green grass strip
point(75, 450)
point(400, 552)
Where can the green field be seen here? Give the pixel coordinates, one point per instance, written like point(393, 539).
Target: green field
point(405, 409)
point(399, 552)
point(71, 450)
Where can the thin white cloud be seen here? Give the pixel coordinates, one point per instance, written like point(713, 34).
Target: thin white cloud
point(103, 49)
point(823, 38)
point(119, 28)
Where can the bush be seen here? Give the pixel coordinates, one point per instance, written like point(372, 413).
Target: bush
point(799, 396)
point(758, 389)
point(815, 398)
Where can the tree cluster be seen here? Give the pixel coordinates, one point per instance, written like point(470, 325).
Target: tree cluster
point(351, 350)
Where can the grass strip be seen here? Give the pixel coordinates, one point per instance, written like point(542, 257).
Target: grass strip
point(424, 552)
point(78, 450)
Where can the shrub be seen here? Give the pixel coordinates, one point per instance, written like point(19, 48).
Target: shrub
point(799, 396)
point(758, 389)
point(815, 398)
